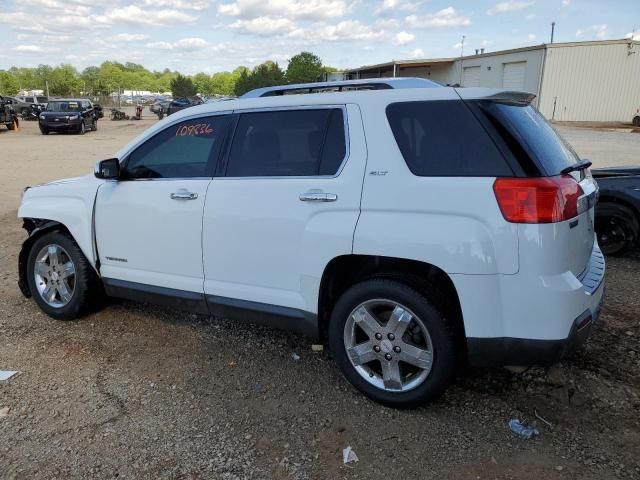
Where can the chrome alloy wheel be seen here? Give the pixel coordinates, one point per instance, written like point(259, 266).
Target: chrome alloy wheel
point(55, 275)
point(388, 345)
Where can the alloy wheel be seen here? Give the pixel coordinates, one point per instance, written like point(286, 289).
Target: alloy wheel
point(55, 275)
point(388, 345)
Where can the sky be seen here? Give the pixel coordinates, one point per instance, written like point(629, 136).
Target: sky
point(215, 35)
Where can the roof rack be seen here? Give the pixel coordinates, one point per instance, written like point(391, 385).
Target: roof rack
point(342, 86)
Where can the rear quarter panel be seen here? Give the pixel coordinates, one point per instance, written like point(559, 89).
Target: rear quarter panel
point(453, 223)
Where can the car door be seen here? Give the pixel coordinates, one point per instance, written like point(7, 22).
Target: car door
point(149, 223)
point(285, 203)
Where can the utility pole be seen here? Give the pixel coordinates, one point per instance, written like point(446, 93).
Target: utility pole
point(553, 28)
point(461, 58)
point(46, 84)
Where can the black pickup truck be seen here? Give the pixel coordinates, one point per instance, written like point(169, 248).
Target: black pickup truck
point(617, 221)
point(8, 115)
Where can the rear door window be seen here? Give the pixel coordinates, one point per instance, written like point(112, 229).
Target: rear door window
point(443, 138)
point(305, 142)
point(529, 136)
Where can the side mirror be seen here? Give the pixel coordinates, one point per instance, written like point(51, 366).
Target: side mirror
point(108, 169)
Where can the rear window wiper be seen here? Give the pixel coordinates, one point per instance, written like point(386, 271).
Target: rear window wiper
point(576, 167)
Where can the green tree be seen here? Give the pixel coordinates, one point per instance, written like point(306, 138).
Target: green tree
point(203, 84)
point(64, 80)
point(182, 86)
point(266, 74)
point(304, 67)
point(8, 83)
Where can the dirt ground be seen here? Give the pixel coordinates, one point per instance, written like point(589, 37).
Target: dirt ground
point(136, 391)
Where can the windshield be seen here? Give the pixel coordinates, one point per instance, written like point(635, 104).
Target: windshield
point(63, 106)
point(42, 99)
point(533, 134)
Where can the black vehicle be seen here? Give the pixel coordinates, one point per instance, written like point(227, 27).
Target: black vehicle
point(8, 115)
point(33, 114)
point(68, 115)
point(99, 110)
point(617, 221)
point(182, 103)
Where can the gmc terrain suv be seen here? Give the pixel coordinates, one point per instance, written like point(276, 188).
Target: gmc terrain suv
point(413, 226)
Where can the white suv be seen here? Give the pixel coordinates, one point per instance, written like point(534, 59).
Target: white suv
point(414, 227)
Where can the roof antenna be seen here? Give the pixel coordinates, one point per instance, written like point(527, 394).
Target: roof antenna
point(553, 28)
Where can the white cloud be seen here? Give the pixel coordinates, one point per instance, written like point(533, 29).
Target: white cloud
point(508, 6)
point(129, 37)
point(345, 30)
point(387, 23)
point(531, 16)
point(633, 36)
point(389, 6)
point(597, 32)
point(402, 38)
point(566, 3)
point(29, 48)
point(186, 45)
point(418, 53)
point(178, 4)
point(265, 26)
point(447, 17)
point(531, 37)
point(134, 15)
point(289, 9)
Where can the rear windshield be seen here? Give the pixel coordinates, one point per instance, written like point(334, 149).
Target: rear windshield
point(528, 134)
point(66, 106)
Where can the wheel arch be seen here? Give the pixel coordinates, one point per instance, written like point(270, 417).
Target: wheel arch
point(345, 271)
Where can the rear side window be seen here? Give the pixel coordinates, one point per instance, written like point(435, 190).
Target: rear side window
point(531, 139)
point(288, 143)
point(443, 138)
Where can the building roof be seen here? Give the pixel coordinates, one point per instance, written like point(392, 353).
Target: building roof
point(430, 61)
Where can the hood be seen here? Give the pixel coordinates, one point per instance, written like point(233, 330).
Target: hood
point(89, 179)
point(616, 172)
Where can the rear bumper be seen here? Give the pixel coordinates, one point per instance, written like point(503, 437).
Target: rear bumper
point(498, 352)
point(531, 320)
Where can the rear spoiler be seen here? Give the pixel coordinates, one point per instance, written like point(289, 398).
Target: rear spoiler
point(496, 95)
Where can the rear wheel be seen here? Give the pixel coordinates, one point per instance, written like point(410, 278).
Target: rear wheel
point(617, 227)
point(13, 125)
point(61, 280)
point(392, 344)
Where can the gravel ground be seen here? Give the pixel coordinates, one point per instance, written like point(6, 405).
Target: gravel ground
point(136, 391)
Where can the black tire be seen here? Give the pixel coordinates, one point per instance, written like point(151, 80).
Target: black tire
point(160, 115)
point(82, 129)
point(94, 125)
point(13, 125)
point(44, 131)
point(24, 112)
point(636, 121)
point(617, 227)
point(444, 353)
point(87, 294)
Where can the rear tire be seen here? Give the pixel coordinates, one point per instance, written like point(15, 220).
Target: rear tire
point(617, 227)
point(385, 367)
point(13, 125)
point(60, 278)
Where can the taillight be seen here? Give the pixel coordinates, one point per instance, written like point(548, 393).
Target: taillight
point(538, 200)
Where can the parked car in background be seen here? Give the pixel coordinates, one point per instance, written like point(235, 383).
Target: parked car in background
point(68, 115)
point(617, 220)
point(23, 105)
point(8, 115)
point(160, 107)
point(181, 103)
point(636, 119)
point(414, 227)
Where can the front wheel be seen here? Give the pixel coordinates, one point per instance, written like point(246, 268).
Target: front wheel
point(82, 128)
point(61, 280)
point(392, 344)
point(94, 125)
point(617, 227)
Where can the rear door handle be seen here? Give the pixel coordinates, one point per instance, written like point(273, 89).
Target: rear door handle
point(318, 197)
point(183, 196)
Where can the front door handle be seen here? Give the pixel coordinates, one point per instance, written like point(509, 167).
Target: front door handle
point(183, 196)
point(318, 197)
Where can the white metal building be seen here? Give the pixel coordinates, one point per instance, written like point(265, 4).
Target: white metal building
point(579, 81)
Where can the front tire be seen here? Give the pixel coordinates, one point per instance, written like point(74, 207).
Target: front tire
point(82, 129)
point(94, 125)
point(60, 278)
point(392, 344)
point(44, 131)
point(617, 227)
